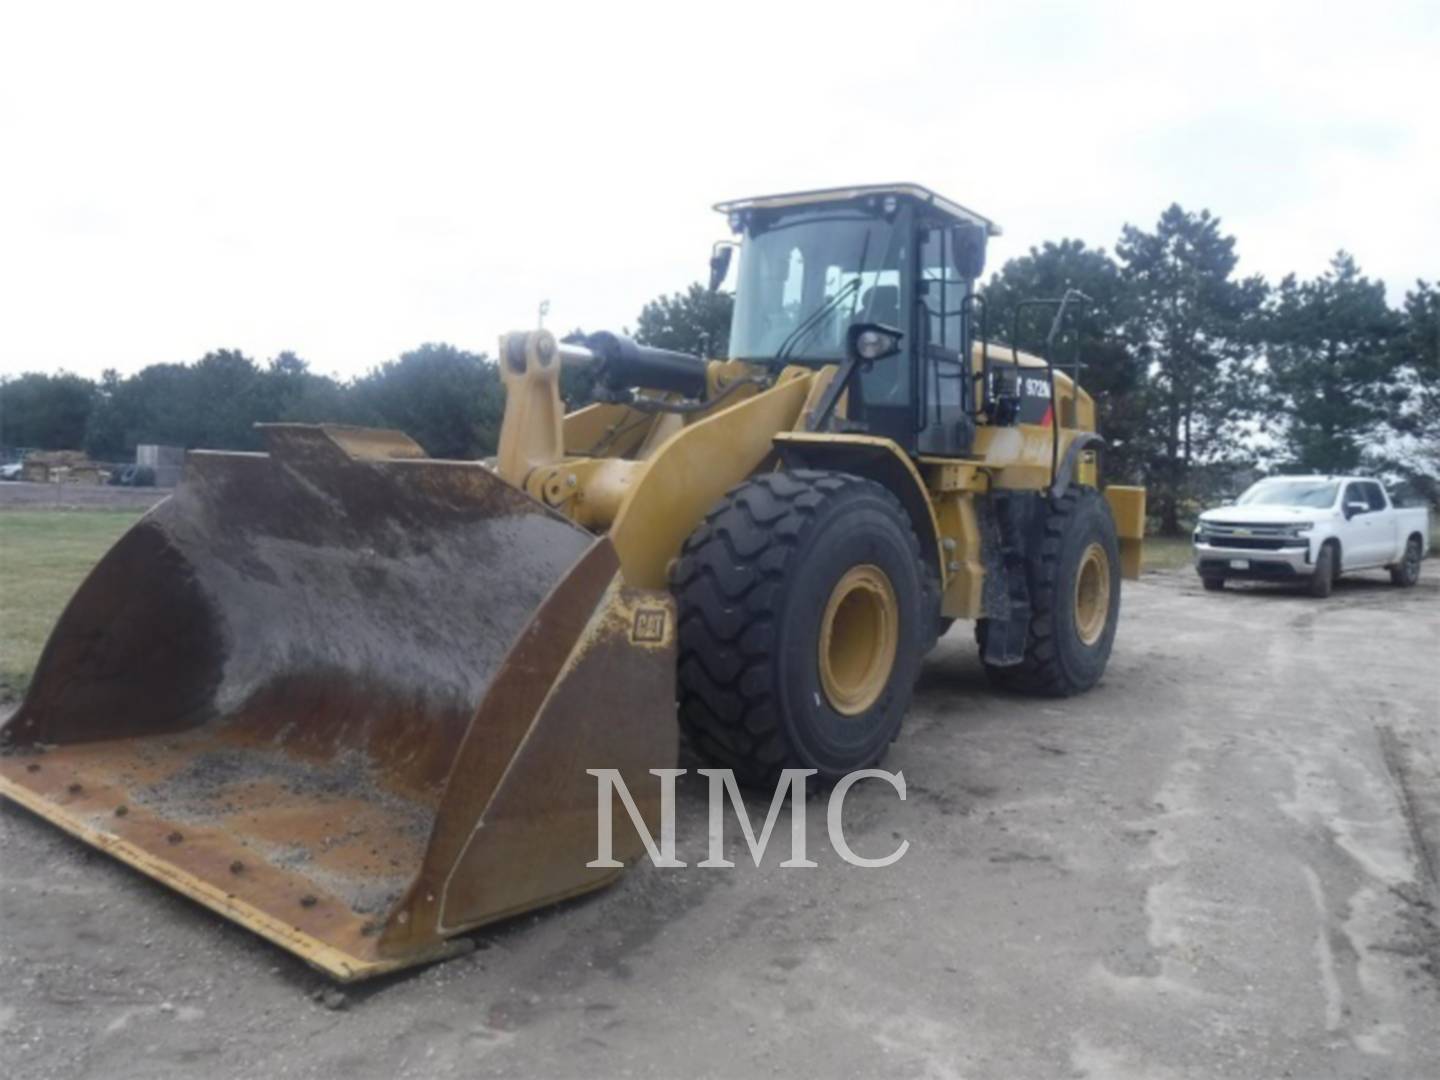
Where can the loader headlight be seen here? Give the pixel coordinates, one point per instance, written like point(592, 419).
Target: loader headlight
point(872, 345)
point(871, 341)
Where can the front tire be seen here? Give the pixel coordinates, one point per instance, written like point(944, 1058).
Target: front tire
point(1213, 584)
point(1406, 572)
point(1322, 581)
point(803, 618)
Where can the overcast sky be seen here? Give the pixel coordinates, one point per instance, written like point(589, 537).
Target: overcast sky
point(349, 181)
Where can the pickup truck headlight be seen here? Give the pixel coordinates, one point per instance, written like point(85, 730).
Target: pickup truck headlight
point(1300, 529)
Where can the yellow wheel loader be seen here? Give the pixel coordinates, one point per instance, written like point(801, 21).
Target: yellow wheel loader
point(347, 695)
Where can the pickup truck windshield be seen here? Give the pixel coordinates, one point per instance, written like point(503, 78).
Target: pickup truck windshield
point(1315, 493)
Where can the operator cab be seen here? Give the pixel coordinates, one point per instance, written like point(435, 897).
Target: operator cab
point(816, 266)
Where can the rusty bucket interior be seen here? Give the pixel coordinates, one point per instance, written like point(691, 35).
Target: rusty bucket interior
point(347, 696)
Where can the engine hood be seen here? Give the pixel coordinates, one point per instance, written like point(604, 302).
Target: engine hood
point(1262, 515)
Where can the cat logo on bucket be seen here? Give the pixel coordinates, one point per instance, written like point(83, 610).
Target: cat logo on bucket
point(649, 625)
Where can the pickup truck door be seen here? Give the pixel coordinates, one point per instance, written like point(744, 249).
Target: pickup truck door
point(1351, 527)
point(1363, 538)
point(1384, 535)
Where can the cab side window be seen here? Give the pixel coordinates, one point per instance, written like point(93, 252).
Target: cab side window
point(1374, 496)
point(942, 287)
point(942, 297)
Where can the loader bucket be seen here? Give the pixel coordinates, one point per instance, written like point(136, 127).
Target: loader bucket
point(347, 696)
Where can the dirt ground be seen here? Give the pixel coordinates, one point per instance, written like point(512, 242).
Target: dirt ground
point(1222, 862)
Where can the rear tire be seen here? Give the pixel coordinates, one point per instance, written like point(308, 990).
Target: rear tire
point(1406, 572)
point(1074, 580)
point(1213, 584)
point(803, 617)
point(1322, 581)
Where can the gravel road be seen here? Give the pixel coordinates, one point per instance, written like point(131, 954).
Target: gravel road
point(1221, 863)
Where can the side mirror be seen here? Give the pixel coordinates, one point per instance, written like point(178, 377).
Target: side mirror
point(1354, 507)
point(720, 263)
point(868, 342)
point(969, 244)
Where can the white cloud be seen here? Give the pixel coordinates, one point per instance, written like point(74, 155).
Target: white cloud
point(350, 180)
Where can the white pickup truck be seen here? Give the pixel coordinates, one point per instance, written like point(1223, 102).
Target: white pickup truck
point(1311, 529)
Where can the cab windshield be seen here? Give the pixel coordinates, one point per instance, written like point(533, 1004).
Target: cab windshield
point(805, 276)
point(1319, 494)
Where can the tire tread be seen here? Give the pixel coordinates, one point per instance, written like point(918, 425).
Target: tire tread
point(1041, 671)
point(729, 585)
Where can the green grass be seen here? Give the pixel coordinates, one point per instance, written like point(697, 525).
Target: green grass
point(1167, 552)
point(44, 555)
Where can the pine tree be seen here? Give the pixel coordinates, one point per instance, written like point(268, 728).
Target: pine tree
point(1333, 379)
point(1415, 451)
point(1191, 323)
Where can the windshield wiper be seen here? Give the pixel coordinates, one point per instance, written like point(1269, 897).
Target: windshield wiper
point(851, 287)
point(797, 335)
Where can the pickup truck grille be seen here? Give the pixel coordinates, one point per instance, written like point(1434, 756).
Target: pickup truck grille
point(1248, 537)
point(1248, 543)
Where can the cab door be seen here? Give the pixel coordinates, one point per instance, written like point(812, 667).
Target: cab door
point(944, 422)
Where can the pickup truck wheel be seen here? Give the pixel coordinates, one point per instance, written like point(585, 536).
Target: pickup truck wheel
point(1407, 571)
point(1213, 584)
point(1322, 581)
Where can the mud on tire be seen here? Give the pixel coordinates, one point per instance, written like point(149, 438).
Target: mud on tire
point(752, 584)
point(1057, 661)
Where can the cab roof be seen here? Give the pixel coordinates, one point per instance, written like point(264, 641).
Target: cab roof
point(845, 194)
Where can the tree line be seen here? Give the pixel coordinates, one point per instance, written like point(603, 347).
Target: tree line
point(1201, 376)
point(448, 399)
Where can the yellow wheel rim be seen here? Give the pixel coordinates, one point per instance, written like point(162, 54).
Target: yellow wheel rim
point(1092, 594)
point(859, 636)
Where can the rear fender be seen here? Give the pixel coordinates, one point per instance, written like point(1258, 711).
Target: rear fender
point(1127, 505)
